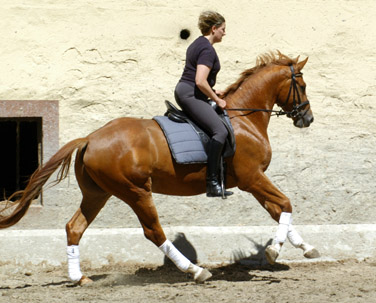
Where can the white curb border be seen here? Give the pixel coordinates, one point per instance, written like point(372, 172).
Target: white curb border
point(210, 245)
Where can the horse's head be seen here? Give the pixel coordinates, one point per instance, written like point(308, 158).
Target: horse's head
point(292, 97)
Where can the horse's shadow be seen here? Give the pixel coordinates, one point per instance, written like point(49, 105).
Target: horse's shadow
point(243, 267)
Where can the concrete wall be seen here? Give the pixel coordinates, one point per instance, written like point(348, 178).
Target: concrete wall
point(106, 59)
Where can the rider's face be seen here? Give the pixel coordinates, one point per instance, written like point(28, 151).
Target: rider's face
point(219, 32)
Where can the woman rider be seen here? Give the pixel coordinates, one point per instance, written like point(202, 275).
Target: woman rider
point(195, 89)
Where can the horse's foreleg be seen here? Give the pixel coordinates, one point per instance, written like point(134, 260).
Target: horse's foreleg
point(272, 251)
point(296, 240)
point(280, 209)
point(153, 231)
point(278, 206)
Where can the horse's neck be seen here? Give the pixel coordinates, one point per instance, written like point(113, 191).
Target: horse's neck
point(257, 92)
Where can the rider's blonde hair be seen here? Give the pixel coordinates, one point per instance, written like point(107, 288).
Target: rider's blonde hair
point(208, 19)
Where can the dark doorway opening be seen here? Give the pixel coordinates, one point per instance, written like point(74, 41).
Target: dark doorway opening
point(20, 152)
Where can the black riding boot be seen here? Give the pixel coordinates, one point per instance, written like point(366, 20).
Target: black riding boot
point(213, 187)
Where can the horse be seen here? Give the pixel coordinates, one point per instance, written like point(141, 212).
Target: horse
point(129, 158)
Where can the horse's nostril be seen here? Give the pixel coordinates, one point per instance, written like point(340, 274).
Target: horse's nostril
point(312, 120)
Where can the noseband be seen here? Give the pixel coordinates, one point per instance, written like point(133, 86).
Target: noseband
point(297, 106)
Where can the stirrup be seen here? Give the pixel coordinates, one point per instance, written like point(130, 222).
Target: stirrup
point(223, 195)
point(213, 189)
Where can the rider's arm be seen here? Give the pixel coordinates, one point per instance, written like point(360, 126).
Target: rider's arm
point(202, 74)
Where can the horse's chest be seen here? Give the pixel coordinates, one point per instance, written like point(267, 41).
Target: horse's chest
point(255, 150)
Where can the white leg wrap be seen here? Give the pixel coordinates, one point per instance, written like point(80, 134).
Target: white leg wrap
point(74, 271)
point(194, 269)
point(283, 226)
point(293, 236)
point(175, 256)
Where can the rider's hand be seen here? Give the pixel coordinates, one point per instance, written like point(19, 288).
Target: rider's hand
point(221, 103)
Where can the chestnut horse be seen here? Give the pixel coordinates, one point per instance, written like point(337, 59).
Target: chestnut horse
point(130, 159)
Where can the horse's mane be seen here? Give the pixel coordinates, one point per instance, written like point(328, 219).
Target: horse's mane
point(263, 60)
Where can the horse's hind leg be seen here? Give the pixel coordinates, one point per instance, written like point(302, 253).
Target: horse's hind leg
point(75, 228)
point(147, 214)
point(93, 200)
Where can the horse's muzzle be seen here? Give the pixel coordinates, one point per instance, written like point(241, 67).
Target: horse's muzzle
point(304, 120)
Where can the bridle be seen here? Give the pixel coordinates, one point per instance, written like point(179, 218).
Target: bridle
point(297, 105)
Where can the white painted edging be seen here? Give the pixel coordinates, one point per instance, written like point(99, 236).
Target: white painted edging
point(213, 245)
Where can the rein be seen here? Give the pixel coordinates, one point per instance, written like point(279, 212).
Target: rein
point(297, 105)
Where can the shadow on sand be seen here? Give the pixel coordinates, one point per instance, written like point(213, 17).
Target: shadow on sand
point(242, 267)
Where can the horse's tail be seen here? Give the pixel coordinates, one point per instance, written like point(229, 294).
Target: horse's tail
point(37, 180)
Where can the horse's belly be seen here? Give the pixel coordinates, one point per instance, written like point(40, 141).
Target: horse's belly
point(179, 179)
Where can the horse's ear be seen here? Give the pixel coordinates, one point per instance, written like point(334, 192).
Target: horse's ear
point(296, 60)
point(301, 64)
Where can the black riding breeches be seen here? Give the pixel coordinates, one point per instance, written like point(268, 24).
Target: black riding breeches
point(200, 112)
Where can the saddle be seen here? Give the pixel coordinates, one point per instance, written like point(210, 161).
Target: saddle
point(178, 116)
point(188, 143)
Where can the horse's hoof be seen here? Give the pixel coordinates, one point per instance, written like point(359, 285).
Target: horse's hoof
point(271, 254)
point(311, 253)
point(84, 280)
point(202, 275)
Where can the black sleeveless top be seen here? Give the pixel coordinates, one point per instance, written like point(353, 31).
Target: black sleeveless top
point(200, 52)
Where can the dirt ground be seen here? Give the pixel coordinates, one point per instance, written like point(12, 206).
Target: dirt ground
point(346, 281)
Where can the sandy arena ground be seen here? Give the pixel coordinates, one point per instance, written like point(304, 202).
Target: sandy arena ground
point(347, 281)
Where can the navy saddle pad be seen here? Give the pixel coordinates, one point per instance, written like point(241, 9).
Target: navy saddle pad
point(187, 142)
